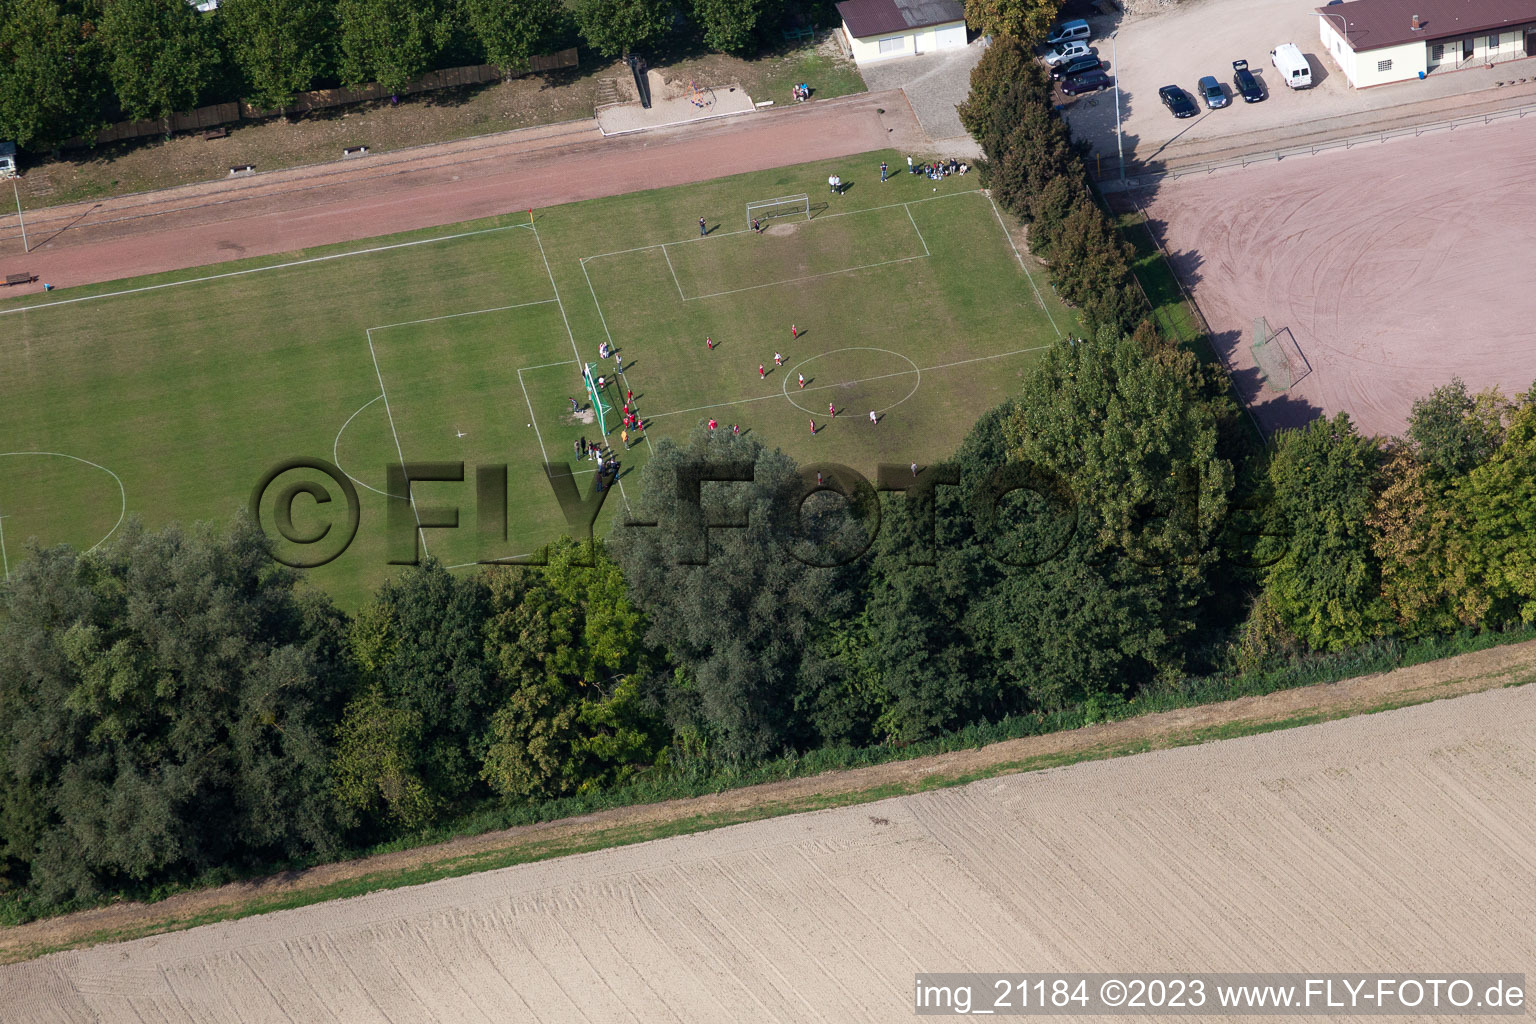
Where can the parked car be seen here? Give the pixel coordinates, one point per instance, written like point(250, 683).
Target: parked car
point(1088, 81)
point(1177, 101)
point(1244, 83)
point(1057, 55)
point(1069, 32)
point(1211, 91)
point(1076, 66)
point(1293, 66)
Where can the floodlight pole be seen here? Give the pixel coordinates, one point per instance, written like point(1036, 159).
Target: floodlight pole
point(1325, 14)
point(17, 190)
point(1114, 56)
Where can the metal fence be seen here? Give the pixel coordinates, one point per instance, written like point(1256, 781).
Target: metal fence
point(1313, 149)
point(229, 113)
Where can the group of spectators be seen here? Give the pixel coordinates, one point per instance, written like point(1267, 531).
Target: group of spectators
point(802, 92)
point(940, 168)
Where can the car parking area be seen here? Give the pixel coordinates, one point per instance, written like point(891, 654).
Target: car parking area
point(1179, 45)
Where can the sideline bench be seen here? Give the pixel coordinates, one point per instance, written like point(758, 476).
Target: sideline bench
point(215, 133)
point(11, 279)
point(795, 35)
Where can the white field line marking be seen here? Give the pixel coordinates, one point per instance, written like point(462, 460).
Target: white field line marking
point(814, 220)
point(261, 270)
point(384, 394)
point(545, 366)
point(336, 448)
point(810, 277)
point(609, 335)
point(862, 380)
point(537, 432)
point(472, 312)
point(336, 445)
point(122, 492)
point(674, 274)
point(574, 351)
point(1020, 257)
point(920, 238)
point(4, 558)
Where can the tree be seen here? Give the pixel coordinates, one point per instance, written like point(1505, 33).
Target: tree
point(616, 28)
point(731, 26)
point(411, 745)
point(169, 704)
point(1037, 151)
point(1327, 587)
point(1007, 81)
point(512, 31)
point(391, 42)
point(160, 55)
point(1135, 445)
point(279, 46)
point(1455, 431)
point(569, 649)
point(1419, 538)
point(1497, 505)
point(742, 628)
point(1025, 20)
point(51, 79)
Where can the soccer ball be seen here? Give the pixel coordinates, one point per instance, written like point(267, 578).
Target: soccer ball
point(530, 424)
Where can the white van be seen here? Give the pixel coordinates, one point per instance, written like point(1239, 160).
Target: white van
point(1069, 32)
point(1292, 65)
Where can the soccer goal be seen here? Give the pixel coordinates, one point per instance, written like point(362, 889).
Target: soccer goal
point(784, 206)
point(1271, 356)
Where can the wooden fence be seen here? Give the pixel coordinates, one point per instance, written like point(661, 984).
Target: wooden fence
point(228, 113)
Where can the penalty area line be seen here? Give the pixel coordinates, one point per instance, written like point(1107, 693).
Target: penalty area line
point(861, 380)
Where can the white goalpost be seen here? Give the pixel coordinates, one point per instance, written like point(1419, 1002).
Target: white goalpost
point(784, 206)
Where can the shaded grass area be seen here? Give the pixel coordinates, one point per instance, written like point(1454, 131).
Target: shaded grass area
point(1321, 669)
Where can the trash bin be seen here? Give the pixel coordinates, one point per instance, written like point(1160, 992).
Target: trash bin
point(1421, 76)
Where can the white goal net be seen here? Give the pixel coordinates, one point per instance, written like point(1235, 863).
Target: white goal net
point(784, 206)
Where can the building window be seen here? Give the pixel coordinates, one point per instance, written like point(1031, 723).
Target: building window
point(1493, 43)
point(1384, 65)
point(893, 45)
point(1437, 52)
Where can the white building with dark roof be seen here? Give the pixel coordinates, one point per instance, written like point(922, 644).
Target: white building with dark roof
point(1379, 41)
point(881, 29)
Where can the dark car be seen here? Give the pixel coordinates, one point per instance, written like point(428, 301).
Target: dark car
point(1088, 81)
point(1076, 67)
point(1214, 95)
point(1177, 101)
point(1244, 83)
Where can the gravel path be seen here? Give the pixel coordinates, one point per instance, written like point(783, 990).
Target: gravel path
point(198, 225)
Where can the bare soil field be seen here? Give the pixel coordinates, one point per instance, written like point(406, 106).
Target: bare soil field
point(1400, 840)
point(1394, 267)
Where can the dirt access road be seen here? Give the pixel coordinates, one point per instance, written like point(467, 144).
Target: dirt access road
point(1402, 838)
point(1469, 673)
point(197, 225)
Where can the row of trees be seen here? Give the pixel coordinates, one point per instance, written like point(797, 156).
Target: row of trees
point(69, 67)
point(1412, 536)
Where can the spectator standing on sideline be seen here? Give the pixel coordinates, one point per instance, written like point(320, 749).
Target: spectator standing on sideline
point(882, 171)
point(910, 168)
point(702, 231)
point(832, 184)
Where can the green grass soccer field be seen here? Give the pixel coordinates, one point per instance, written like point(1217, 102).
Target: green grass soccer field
point(170, 397)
